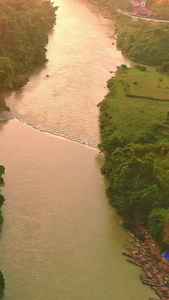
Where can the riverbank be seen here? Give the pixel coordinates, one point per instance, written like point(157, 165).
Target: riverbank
point(23, 43)
point(2, 199)
point(140, 18)
point(134, 131)
point(143, 43)
point(141, 88)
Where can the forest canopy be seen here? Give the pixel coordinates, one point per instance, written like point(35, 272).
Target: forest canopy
point(143, 43)
point(23, 35)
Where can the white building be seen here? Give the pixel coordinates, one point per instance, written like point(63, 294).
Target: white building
point(139, 3)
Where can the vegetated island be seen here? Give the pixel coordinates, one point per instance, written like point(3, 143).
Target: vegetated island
point(24, 27)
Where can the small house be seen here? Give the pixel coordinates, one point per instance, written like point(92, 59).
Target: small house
point(143, 11)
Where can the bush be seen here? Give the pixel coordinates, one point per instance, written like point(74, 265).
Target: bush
point(165, 67)
point(146, 44)
point(111, 143)
point(20, 81)
point(141, 68)
point(128, 224)
point(156, 222)
point(3, 105)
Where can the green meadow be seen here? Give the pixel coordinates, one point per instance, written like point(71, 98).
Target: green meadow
point(148, 84)
point(131, 117)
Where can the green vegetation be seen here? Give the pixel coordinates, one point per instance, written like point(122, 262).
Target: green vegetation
point(157, 221)
point(152, 85)
point(2, 199)
point(112, 6)
point(161, 7)
point(143, 42)
point(164, 68)
point(135, 140)
point(23, 35)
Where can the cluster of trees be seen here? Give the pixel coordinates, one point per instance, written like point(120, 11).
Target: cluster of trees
point(138, 188)
point(23, 35)
point(112, 6)
point(164, 68)
point(146, 44)
point(137, 171)
point(161, 7)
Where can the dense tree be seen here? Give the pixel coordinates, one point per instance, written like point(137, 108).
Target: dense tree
point(161, 7)
point(146, 44)
point(23, 35)
point(165, 67)
point(157, 221)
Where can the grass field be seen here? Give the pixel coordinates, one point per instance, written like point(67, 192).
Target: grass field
point(132, 117)
point(148, 84)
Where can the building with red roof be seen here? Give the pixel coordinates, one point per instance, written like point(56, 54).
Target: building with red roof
point(143, 11)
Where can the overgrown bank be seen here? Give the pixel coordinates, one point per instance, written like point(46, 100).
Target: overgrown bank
point(143, 42)
point(134, 123)
point(2, 199)
point(24, 26)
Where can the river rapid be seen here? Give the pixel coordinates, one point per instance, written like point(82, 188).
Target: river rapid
point(60, 238)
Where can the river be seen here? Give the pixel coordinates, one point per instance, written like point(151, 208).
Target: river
point(60, 238)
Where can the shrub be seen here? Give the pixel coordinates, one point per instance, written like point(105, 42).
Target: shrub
point(141, 68)
point(165, 67)
point(156, 222)
point(128, 224)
